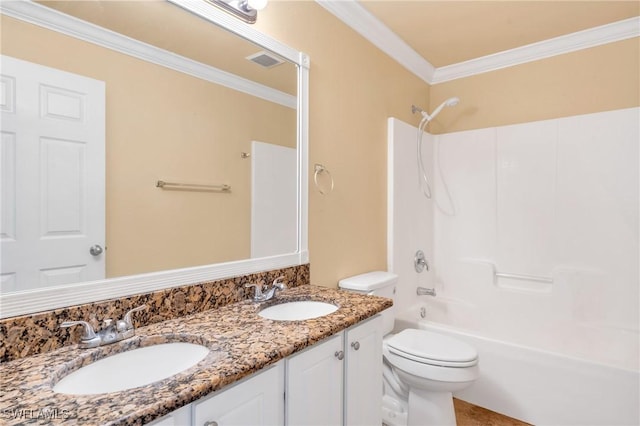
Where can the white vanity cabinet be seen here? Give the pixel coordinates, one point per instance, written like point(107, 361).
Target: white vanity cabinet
point(338, 381)
point(335, 382)
point(315, 384)
point(363, 374)
point(257, 401)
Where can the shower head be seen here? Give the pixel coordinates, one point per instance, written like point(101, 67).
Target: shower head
point(426, 118)
point(449, 103)
point(452, 101)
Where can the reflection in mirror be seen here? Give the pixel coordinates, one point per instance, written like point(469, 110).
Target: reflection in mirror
point(106, 126)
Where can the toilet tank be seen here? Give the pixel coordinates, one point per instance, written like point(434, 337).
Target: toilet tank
point(378, 283)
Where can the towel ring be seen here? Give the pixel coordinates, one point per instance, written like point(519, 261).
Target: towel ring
point(319, 168)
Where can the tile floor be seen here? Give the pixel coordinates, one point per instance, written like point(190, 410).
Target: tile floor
point(472, 415)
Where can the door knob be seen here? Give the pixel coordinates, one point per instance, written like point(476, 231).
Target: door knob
point(339, 355)
point(96, 250)
point(355, 345)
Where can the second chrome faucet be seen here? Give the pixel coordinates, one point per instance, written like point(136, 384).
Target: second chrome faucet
point(260, 296)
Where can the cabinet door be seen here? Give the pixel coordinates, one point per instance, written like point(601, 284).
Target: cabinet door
point(363, 374)
point(257, 401)
point(314, 384)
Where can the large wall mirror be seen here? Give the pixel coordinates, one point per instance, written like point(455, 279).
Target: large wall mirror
point(167, 147)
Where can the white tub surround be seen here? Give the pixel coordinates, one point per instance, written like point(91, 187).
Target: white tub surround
point(532, 235)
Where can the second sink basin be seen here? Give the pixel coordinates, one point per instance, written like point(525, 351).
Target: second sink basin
point(132, 369)
point(299, 310)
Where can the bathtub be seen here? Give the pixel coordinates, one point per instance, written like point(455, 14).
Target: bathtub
point(560, 381)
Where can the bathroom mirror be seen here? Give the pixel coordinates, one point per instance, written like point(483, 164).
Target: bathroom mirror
point(223, 119)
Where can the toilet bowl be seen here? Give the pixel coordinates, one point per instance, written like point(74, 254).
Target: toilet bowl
point(433, 366)
point(421, 368)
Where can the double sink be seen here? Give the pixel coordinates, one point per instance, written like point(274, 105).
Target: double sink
point(140, 366)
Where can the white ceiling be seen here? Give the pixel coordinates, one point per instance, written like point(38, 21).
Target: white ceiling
point(445, 40)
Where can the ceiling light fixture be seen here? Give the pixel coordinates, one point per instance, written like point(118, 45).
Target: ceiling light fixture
point(246, 10)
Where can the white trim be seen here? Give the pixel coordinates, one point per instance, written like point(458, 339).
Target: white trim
point(45, 17)
point(371, 28)
point(585, 39)
point(303, 157)
point(27, 302)
point(367, 25)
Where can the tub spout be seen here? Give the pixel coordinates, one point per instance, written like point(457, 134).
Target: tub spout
point(421, 291)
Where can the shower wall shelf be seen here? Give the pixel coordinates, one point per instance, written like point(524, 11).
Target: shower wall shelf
point(192, 186)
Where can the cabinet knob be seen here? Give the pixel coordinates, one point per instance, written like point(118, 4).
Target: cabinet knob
point(355, 345)
point(210, 423)
point(339, 355)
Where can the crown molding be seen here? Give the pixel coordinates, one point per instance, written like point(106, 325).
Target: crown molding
point(585, 39)
point(45, 17)
point(371, 28)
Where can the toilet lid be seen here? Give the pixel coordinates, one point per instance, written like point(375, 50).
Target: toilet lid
point(432, 348)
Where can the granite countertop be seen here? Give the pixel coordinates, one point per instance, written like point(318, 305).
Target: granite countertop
point(240, 343)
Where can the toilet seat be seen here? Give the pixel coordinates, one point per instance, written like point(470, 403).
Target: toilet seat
point(429, 372)
point(430, 348)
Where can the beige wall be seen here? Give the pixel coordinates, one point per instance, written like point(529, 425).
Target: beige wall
point(165, 125)
point(355, 87)
point(598, 79)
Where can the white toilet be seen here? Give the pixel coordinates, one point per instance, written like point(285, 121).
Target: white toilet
point(421, 368)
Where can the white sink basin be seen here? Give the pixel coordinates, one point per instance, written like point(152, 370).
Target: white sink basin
point(131, 369)
point(300, 310)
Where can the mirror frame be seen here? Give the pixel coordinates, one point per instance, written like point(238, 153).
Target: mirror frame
point(32, 301)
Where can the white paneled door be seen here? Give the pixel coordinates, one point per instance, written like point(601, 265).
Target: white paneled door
point(53, 176)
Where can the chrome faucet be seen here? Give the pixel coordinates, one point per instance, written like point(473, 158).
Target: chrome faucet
point(111, 332)
point(421, 291)
point(276, 286)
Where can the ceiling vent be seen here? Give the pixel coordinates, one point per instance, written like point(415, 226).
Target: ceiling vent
point(265, 59)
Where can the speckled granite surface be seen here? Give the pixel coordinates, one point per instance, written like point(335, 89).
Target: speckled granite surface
point(27, 335)
point(241, 343)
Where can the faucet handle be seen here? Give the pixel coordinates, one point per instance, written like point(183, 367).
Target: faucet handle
point(88, 330)
point(258, 290)
point(126, 323)
point(279, 285)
